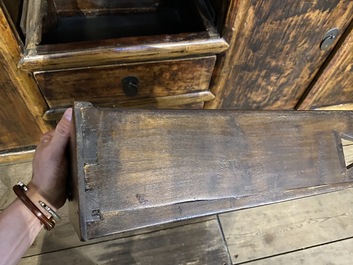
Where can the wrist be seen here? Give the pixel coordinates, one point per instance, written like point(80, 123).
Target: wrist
point(31, 198)
point(35, 195)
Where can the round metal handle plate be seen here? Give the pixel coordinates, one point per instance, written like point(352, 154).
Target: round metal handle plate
point(329, 38)
point(130, 85)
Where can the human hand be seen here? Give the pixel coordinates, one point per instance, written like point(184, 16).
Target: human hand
point(50, 164)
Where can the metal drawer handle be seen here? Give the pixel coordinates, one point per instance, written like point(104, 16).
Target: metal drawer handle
point(130, 85)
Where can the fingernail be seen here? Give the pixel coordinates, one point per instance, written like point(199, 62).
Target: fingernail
point(68, 114)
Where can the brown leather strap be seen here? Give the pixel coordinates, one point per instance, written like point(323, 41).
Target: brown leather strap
point(49, 224)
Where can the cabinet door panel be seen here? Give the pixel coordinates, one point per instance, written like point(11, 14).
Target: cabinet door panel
point(18, 128)
point(274, 51)
point(334, 86)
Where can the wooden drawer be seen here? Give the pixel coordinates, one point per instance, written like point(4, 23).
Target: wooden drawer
point(74, 34)
point(137, 168)
point(104, 85)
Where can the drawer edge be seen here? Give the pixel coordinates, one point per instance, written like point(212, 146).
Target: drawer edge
point(121, 54)
point(161, 103)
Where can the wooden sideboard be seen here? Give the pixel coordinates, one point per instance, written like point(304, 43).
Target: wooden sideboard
point(235, 55)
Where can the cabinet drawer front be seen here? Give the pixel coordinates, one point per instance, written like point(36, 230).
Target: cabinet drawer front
point(105, 84)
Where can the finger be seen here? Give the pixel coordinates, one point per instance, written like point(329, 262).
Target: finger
point(46, 138)
point(61, 134)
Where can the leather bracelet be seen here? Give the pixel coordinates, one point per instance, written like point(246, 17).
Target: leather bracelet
point(48, 223)
point(50, 211)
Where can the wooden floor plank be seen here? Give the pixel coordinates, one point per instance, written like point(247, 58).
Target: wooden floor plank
point(270, 230)
point(193, 244)
point(64, 235)
point(338, 253)
point(10, 174)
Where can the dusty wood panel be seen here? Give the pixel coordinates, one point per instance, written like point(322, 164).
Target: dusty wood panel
point(274, 51)
point(199, 243)
point(105, 84)
point(334, 86)
point(137, 168)
point(337, 253)
point(290, 226)
point(20, 82)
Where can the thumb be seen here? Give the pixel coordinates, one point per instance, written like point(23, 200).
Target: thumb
point(61, 134)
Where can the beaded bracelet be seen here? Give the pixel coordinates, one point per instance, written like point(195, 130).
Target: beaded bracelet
point(20, 190)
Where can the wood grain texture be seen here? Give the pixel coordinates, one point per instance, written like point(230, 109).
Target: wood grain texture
point(273, 230)
point(274, 51)
point(334, 86)
point(20, 82)
point(18, 128)
point(104, 84)
point(199, 243)
point(163, 166)
point(336, 253)
point(134, 49)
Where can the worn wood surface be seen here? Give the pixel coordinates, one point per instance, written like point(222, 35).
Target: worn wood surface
point(18, 82)
point(132, 49)
point(272, 230)
point(274, 51)
point(199, 243)
point(104, 84)
point(336, 253)
point(334, 86)
point(185, 101)
point(18, 128)
point(173, 165)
